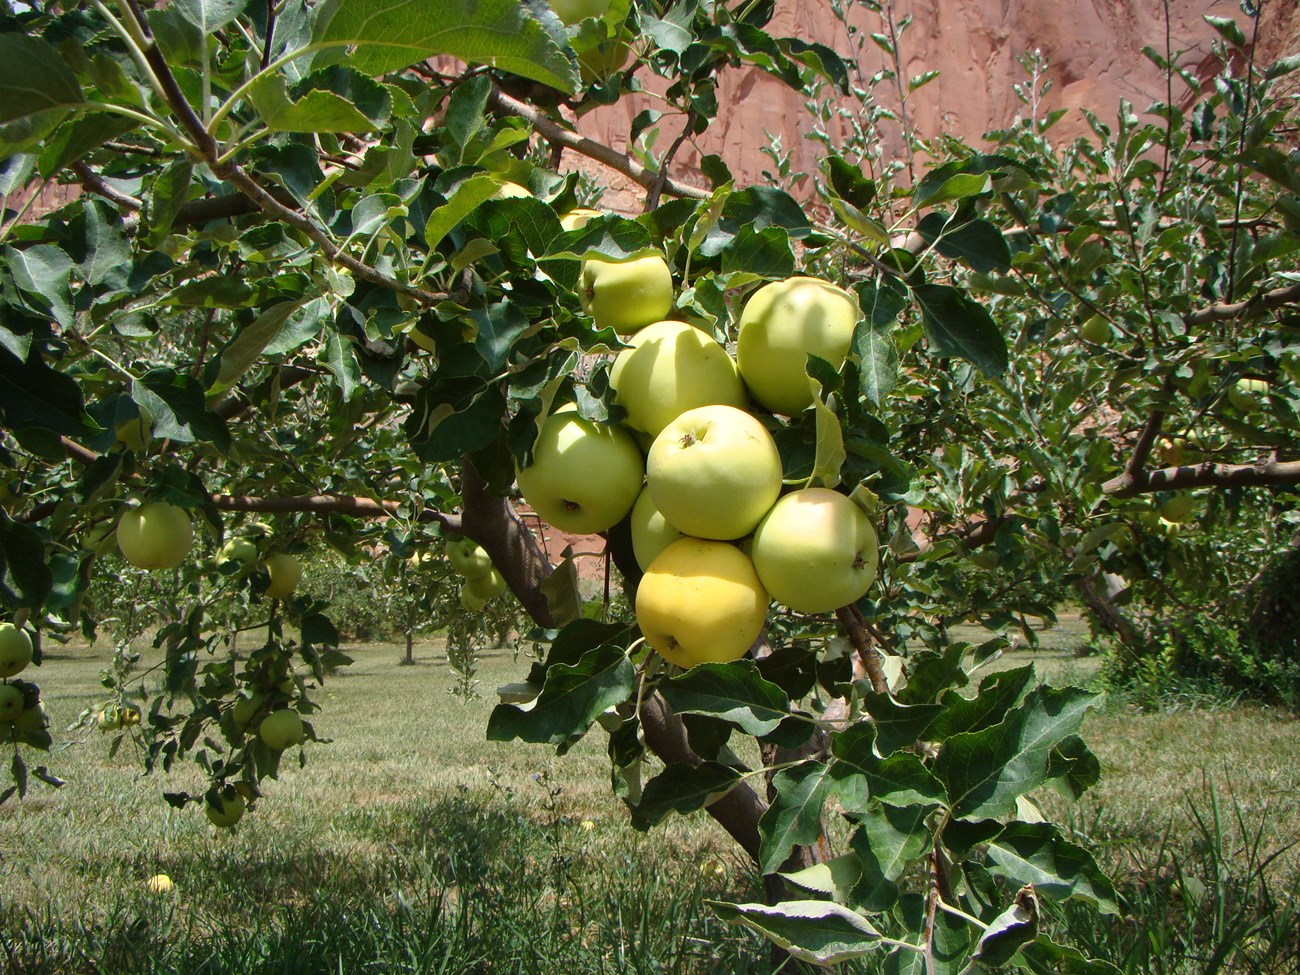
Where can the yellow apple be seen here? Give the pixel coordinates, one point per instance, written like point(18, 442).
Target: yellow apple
point(281, 729)
point(1097, 330)
point(651, 532)
point(285, 572)
point(15, 650)
point(780, 325)
point(511, 191)
point(701, 601)
point(156, 535)
point(242, 550)
point(133, 434)
point(669, 368)
point(579, 218)
point(626, 295)
point(714, 472)
point(159, 883)
point(585, 476)
point(1247, 394)
point(815, 551)
point(572, 11)
point(490, 585)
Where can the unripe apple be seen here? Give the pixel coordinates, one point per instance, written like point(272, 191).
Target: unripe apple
point(109, 719)
point(468, 558)
point(1178, 508)
point(156, 535)
point(701, 601)
point(585, 476)
point(281, 729)
point(1247, 394)
point(472, 602)
point(11, 702)
point(285, 572)
point(626, 295)
point(490, 585)
point(669, 368)
point(242, 550)
point(781, 324)
point(714, 472)
point(651, 532)
point(32, 718)
point(1097, 330)
point(133, 434)
point(815, 551)
point(246, 708)
point(224, 809)
point(15, 650)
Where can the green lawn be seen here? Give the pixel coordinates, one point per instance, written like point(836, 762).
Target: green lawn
point(411, 843)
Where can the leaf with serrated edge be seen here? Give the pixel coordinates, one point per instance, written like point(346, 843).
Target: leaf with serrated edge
point(247, 346)
point(813, 931)
point(888, 838)
point(570, 701)
point(834, 877)
point(1036, 853)
point(795, 816)
point(734, 692)
point(861, 775)
point(683, 787)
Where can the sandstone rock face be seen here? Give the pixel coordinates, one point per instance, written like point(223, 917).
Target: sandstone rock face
point(1094, 50)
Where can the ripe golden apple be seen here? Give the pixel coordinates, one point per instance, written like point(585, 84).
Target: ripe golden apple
point(468, 558)
point(815, 551)
point(714, 472)
point(1248, 395)
point(626, 295)
point(579, 218)
point(156, 535)
point(669, 368)
point(781, 324)
point(651, 532)
point(701, 601)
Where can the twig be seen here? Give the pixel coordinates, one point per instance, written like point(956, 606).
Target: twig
point(92, 181)
point(856, 628)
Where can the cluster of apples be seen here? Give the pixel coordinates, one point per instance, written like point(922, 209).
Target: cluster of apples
point(20, 703)
point(483, 582)
point(712, 531)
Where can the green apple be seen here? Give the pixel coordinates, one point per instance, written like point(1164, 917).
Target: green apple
point(781, 324)
point(488, 586)
point(651, 532)
point(242, 550)
point(15, 650)
point(109, 719)
point(669, 368)
point(156, 535)
point(815, 551)
point(626, 295)
point(714, 472)
point(585, 476)
point(32, 718)
point(579, 218)
point(472, 602)
point(1178, 508)
point(224, 808)
point(468, 558)
point(246, 708)
point(281, 729)
point(285, 572)
point(11, 702)
point(572, 11)
point(133, 434)
point(701, 601)
point(1248, 395)
point(1097, 330)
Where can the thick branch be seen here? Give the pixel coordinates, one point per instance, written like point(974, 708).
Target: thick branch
point(1263, 474)
point(328, 504)
point(553, 132)
point(1254, 307)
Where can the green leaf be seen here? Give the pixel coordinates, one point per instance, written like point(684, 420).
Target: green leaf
point(1045, 957)
point(41, 272)
point(499, 326)
point(341, 359)
point(985, 771)
point(815, 931)
point(316, 111)
point(178, 407)
point(862, 775)
point(573, 696)
point(77, 137)
point(683, 788)
point(978, 243)
point(848, 181)
point(734, 692)
point(1036, 853)
point(247, 346)
point(1009, 931)
point(755, 255)
point(898, 725)
point(209, 15)
point(828, 461)
point(1227, 29)
point(34, 396)
point(834, 877)
point(25, 576)
point(794, 817)
point(957, 325)
point(998, 694)
point(1072, 768)
point(107, 251)
point(878, 359)
point(34, 80)
point(441, 433)
point(388, 35)
point(561, 591)
point(888, 838)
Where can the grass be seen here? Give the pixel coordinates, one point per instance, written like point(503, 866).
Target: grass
point(411, 844)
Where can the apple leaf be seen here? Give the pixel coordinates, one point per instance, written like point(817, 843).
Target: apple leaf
point(814, 931)
point(1036, 853)
point(998, 694)
point(984, 771)
point(41, 272)
point(315, 111)
point(1072, 768)
point(756, 255)
point(888, 838)
point(862, 775)
point(1009, 931)
point(36, 90)
point(976, 242)
point(573, 696)
point(682, 787)
point(25, 578)
point(829, 459)
point(734, 692)
point(32, 395)
point(248, 345)
point(613, 238)
point(898, 725)
point(795, 815)
point(834, 877)
point(959, 326)
point(388, 35)
point(463, 201)
point(1045, 956)
point(180, 414)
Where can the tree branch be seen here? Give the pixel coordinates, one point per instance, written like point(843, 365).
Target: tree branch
point(862, 643)
point(1269, 473)
point(1256, 307)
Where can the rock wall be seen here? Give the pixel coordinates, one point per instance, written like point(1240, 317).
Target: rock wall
point(1094, 50)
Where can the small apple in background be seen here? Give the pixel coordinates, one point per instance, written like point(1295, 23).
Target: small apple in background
point(281, 729)
point(815, 551)
point(15, 650)
point(11, 702)
point(1097, 330)
point(224, 809)
point(468, 558)
point(156, 535)
point(1248, 395)
point(651, 532)
point(573, 11)
point(626, 295)
point(285, 572)
point(781, 324)
point(579, 218)
point(133, 434)
point(714, 472)
point(488, 586)
point(585, 476)
point(159, 883)
point(473, 603)
point(701, 601)
point(242, 550)
point(1178, 508)
point(669, 368)
point(109, 719)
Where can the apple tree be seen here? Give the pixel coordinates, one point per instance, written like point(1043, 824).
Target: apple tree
point(319, 271)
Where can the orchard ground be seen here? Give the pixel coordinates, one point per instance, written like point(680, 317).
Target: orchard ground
point(411, 843)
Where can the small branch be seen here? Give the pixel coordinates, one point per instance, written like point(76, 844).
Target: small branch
point(96, 184)
point(554, 133)
point(657, 187)
point(1270, 473)
point(1147, 438)
point(1255, 307)
point(856, 628)
point(171, 89)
